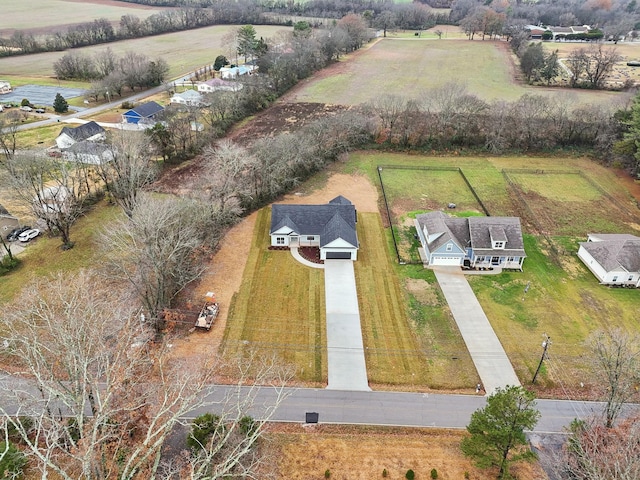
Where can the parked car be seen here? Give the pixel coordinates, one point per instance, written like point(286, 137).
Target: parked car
point(28, 235)
point(39, 110)
point(13, 234)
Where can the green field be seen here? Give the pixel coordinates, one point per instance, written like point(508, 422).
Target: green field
point(184, 51)
point(42, 14)
point(410, 67)
point(564, 300)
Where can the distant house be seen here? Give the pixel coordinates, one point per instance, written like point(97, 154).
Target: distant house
point(7, 222)
point(235, 72)
point(218, 85)
point(88, 153)
point(146, 111)
point(474, 242)
point(91, 132)
point(5, 87)
point(51, 201)
point(190, 98)
point(331, 227)
point(613, 258)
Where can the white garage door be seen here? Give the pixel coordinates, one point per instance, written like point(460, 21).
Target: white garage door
point(446, 261)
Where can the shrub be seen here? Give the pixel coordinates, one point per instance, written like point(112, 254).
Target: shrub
point(7, 264)
point(12, 462)
point(384, 472)
point(25, 102)
point(202, 429)
point(434, 473)
point(410, 475)
point(327, 473)
point(466, 475)
point(248, 425)
point(127, 105)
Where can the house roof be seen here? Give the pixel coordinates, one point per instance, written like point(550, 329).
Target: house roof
point(82, 132)
point(474, 232)
point(146, 110)
point(190, 95)
point(336, 219)
point(88, 148)
point(3, 211)
point(616, 252)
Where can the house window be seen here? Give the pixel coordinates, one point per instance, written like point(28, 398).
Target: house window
point(614, 279)
point(449, 247)
point(510, 259)
point(479, 259)
point(279, 240)
point(311, 238)
point(630, 278)
point(498, 245)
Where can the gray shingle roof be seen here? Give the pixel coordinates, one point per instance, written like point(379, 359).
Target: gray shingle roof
point(147, 110)
point(475, 232)
point(330, 221)
point(84, 131)
point(622, 251)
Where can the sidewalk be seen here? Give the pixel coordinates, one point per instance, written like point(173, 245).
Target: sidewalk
point(490, 359)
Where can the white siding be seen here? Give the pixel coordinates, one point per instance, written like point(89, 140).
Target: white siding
point(592, 264)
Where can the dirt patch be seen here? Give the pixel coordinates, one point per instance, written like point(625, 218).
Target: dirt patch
point(422, 291)
point(282, 117)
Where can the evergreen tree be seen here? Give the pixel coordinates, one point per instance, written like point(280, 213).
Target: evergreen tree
point(247, 41)
point(497, 430)
point(60, 105)
point(551, 67)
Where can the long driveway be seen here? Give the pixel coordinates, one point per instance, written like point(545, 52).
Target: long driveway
point(486, 351)
point(345, 351)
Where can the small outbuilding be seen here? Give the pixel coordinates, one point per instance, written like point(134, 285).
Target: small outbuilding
point(219, 85)
point(147, 111)
point(613, 258)
point(190, 98)
point(90, 132)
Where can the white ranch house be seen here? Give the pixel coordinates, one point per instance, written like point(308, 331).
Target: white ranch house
point(218, 85)
point(613, 258)
point(331, 227)
point(474, 242)
point(90, 131)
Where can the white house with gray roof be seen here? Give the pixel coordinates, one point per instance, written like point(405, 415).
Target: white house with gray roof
point(331, 227)
point(613, 258)
point(474, 242)
point(89, 132)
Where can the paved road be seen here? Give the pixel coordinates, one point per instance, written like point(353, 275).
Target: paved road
point(347, 369)
point(398, 408)
point(486, 351)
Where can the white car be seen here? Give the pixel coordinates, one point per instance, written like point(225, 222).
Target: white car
point(26, 108)
point(28, 235)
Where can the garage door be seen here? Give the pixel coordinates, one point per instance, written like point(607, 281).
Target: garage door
point(446, 261)
point(338, 255)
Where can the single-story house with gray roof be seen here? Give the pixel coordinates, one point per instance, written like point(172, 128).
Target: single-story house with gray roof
point(89, 131)
point(331, 227)
point(613, 258)
point(474, 242)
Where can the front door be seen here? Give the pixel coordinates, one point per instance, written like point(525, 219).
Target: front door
point(294, 241)
point(495, 260)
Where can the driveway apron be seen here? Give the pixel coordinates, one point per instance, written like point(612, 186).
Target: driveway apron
point(345, 352)
point(486, 351)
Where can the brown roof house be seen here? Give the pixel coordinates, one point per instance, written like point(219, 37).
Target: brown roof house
point(7, 222)
point(613, 258)
point(474, 242)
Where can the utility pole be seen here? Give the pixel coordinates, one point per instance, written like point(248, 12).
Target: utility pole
point(545, 345)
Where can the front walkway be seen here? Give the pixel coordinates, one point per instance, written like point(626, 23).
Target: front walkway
point(486, 351)
point(345, 351)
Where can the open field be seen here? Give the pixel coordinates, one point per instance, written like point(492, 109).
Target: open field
point(621, 72)
point(364, 452)
point(564, 300)
point(410, 67)
point(56, 14)
point(184, 51)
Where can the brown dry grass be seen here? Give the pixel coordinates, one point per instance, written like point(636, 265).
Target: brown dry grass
point(363, 452)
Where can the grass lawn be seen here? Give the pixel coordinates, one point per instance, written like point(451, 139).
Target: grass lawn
point(183, 51)
point(410, 67)
point(44, 257)
point(564, 300)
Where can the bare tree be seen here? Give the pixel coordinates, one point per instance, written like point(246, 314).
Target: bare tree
point(577, 63)
point(616, 363)
point(55, 190)
point(102, 400)
point(158, 250)
point(389, 109)
point(600, 62)
point(130, 170)
point(9, 123)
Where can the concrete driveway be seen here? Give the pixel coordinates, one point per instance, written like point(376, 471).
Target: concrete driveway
point(486, 351)
point(345, 352)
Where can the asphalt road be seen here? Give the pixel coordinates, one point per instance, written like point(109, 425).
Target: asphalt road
point(392, 408)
